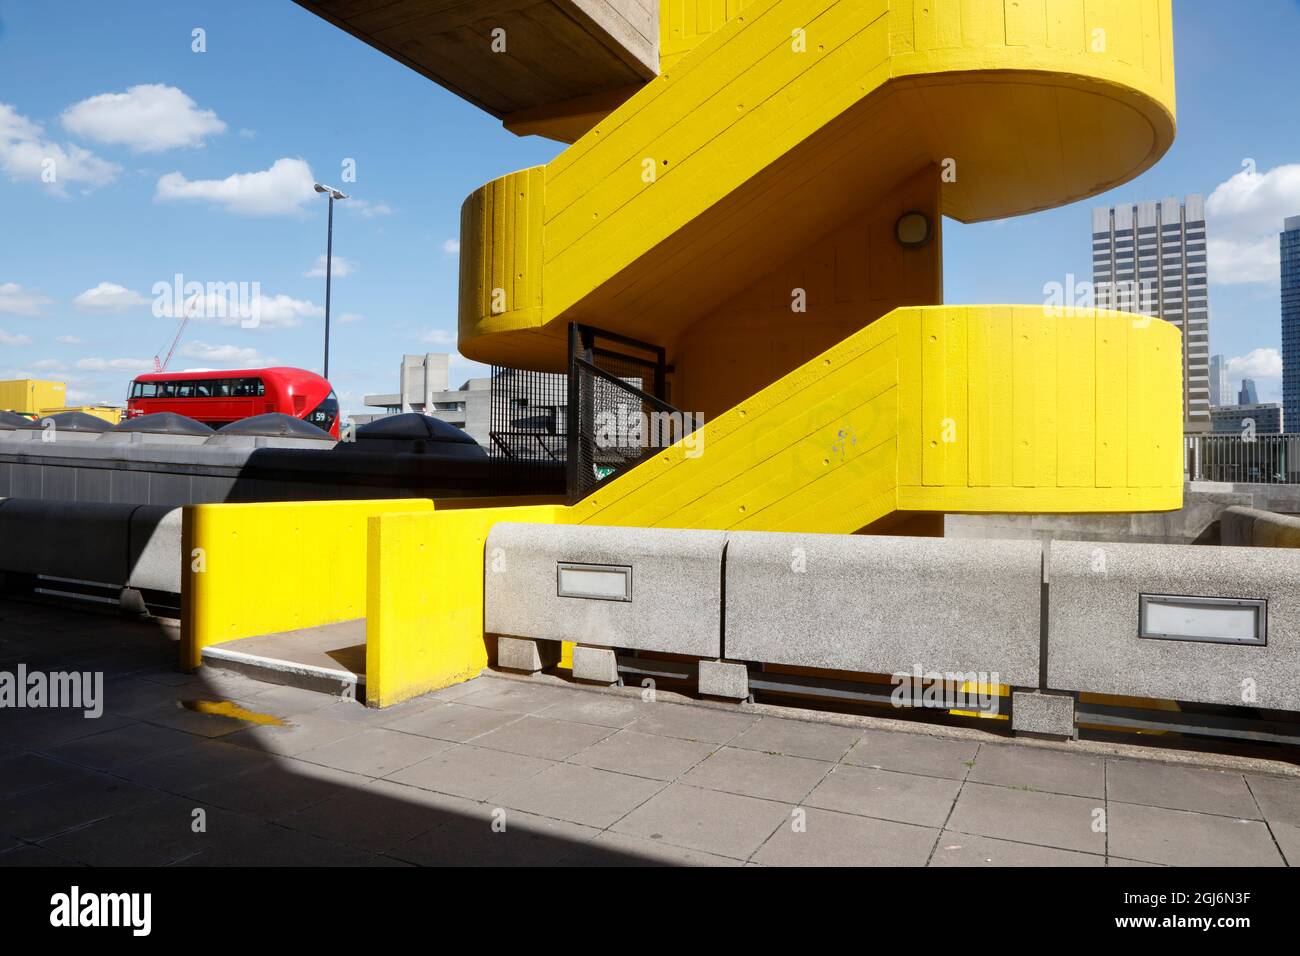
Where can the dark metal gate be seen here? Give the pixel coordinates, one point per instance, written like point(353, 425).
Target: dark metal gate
point(618, 407)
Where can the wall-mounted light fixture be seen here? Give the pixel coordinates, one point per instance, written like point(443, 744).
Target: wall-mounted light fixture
point(912, 230)
point(1211, 620)
point(597, 582)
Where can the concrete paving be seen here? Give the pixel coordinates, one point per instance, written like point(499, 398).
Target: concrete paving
point(510, 771)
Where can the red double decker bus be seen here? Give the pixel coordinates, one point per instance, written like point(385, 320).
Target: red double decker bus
point(219, 397)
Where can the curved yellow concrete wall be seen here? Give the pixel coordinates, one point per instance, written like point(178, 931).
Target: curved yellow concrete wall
point(790, 119)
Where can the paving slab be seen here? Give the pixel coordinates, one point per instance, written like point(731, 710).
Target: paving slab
point(1185, 838)
point(185, 770)
point(378, 816)
point(914, 753)
point(296, 735)
point(965, 849)
point(1026, 816)
point(693, 723)
point(1288, 840)
point(117, 748)
point(157, 834)
point(21, 771)
point(276, 787)
point(451, 721)
point(543, 737)
point(886, 794)
point(516, 697)
point(1201, 789)
point(798, 738)
point(374, 752)
point(756, 774)
point(473, 840)
point(472, 772)
point(644, 755)
point(595, 798)
point(620, 849)
point(1037, 768)
point(842, 839)
point(604, 710)
point(1278, 797)
point(74, 801)
point(724, 824)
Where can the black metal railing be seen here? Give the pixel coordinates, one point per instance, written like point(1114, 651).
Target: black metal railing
point(619, 413)
point(528, 419)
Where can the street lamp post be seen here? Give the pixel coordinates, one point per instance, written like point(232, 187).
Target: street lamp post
point(329, 264)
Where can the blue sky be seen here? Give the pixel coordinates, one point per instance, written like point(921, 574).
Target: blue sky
point(146, 133)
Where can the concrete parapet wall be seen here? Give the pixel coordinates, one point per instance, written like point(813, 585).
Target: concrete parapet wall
point(1093, 623)
point(1252, 528)
point(885, 605)
point(111, 544)
point(675, 597)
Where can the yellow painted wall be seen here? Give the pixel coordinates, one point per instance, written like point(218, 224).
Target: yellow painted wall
point(275, 566)
point(109, 413)
point(30, 395)
point(424, 606)
point(844, 281)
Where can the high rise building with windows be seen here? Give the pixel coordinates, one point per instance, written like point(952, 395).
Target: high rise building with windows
point(1249, 394)
point(1219, 394)
point(1290, 240)
point(1149, 258)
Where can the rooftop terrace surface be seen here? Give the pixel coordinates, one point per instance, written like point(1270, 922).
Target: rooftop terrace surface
point(511, 771)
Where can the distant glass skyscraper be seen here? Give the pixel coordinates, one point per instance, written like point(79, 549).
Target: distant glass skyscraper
point(1219, 394)
point(1150, 258)
point(1249, 395)
point(1291, 324)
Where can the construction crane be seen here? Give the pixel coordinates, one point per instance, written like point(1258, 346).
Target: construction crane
point(185, 319)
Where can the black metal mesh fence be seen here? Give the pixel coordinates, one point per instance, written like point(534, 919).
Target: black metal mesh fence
point(619, 409)
point(528, 421)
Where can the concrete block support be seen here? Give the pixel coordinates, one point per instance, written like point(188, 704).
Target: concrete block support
point(1093, 623)
point(724, 679)
point(525, 654)
point(1042, 715)
point(886, 605)
point(554, 583)
point(596, 664)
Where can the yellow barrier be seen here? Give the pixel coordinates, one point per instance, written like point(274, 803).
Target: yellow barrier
point(262, 568)
point(424, 604)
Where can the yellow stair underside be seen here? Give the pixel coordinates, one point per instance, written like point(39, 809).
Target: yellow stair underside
point(758, 150)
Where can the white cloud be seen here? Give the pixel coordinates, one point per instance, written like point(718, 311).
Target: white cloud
point(225, 356)
point(148, 118)
point(368, 209)
point(351, 317)
point(114, 365)
point(1258, 364)
point(283, 188)
point(342, 267)
point(238, 304)
point(108, 297)
point(246, 133)
point(451, 247)
point(26, 155)
point(1244, 216)
point(14, 340)
point(439, 337)
point(17, 300)
point(70, 340)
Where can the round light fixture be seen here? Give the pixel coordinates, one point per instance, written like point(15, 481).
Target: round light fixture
point(912, 230)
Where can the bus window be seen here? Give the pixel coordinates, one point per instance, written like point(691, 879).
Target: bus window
point(166, 390)
point(185, 390)
point(203, 389)
point(222, 389)
point(260, 386)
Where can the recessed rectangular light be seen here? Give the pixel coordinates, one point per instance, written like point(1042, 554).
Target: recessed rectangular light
point(1212, 620)
point(596, 582)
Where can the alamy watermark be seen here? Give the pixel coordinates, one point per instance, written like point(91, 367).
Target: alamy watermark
point(629, 427)
point(221, 301)
point(72, 690)
point(972, 690)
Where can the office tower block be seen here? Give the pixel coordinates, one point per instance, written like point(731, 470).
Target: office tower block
point(1290, 241)
point(1149, 258)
